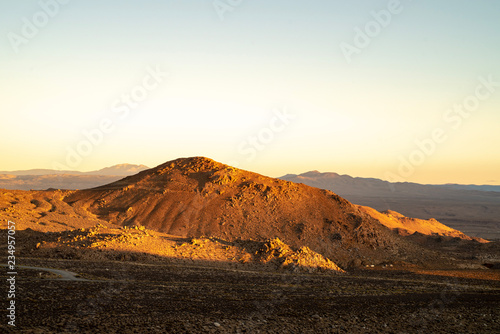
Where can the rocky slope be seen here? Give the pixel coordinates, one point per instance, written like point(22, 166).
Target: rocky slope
point(407, 226)
point(108, 243)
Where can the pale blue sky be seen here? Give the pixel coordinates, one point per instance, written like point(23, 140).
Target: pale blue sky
point(227, 78)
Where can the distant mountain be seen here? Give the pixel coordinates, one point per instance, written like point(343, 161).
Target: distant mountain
point(472, 187)
point(120, 169)
point(40, 172)
point(476, 212)
point(40, 179)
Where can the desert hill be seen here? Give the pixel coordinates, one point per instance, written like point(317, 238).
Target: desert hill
point(194, 197)
point(474, 210)
point(469, 208)
point(198, 197)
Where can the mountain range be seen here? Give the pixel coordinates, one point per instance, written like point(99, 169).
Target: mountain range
point(475, 210)
point(39, 179)
point(120, 169)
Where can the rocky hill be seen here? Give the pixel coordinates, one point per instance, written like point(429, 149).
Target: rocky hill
point(200, 198)
point(194, 197)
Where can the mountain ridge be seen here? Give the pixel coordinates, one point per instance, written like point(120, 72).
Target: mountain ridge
point(316, 173)
point(118, 169)
point(472, 211)
point(40, 179)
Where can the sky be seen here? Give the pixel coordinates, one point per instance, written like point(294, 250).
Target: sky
point(405, 91)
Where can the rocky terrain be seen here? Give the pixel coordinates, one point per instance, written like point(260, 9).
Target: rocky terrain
point(140, 244)
point(197, 246)
point(130, 296)
point(135, 280)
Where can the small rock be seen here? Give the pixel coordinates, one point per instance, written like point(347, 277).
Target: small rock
point(216, 324)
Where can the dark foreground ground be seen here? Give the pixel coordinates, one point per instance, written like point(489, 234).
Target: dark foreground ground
point(124, 297)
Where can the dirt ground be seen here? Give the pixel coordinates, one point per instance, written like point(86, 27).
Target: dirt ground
point(190, 297)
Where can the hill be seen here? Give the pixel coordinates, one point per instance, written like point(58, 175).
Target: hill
point(198, 198)
point(194, 197)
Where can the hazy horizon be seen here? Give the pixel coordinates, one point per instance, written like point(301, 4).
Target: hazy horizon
point(395, 90)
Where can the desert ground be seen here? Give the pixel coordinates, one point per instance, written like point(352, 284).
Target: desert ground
point(134, 280)
point(137, 297)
